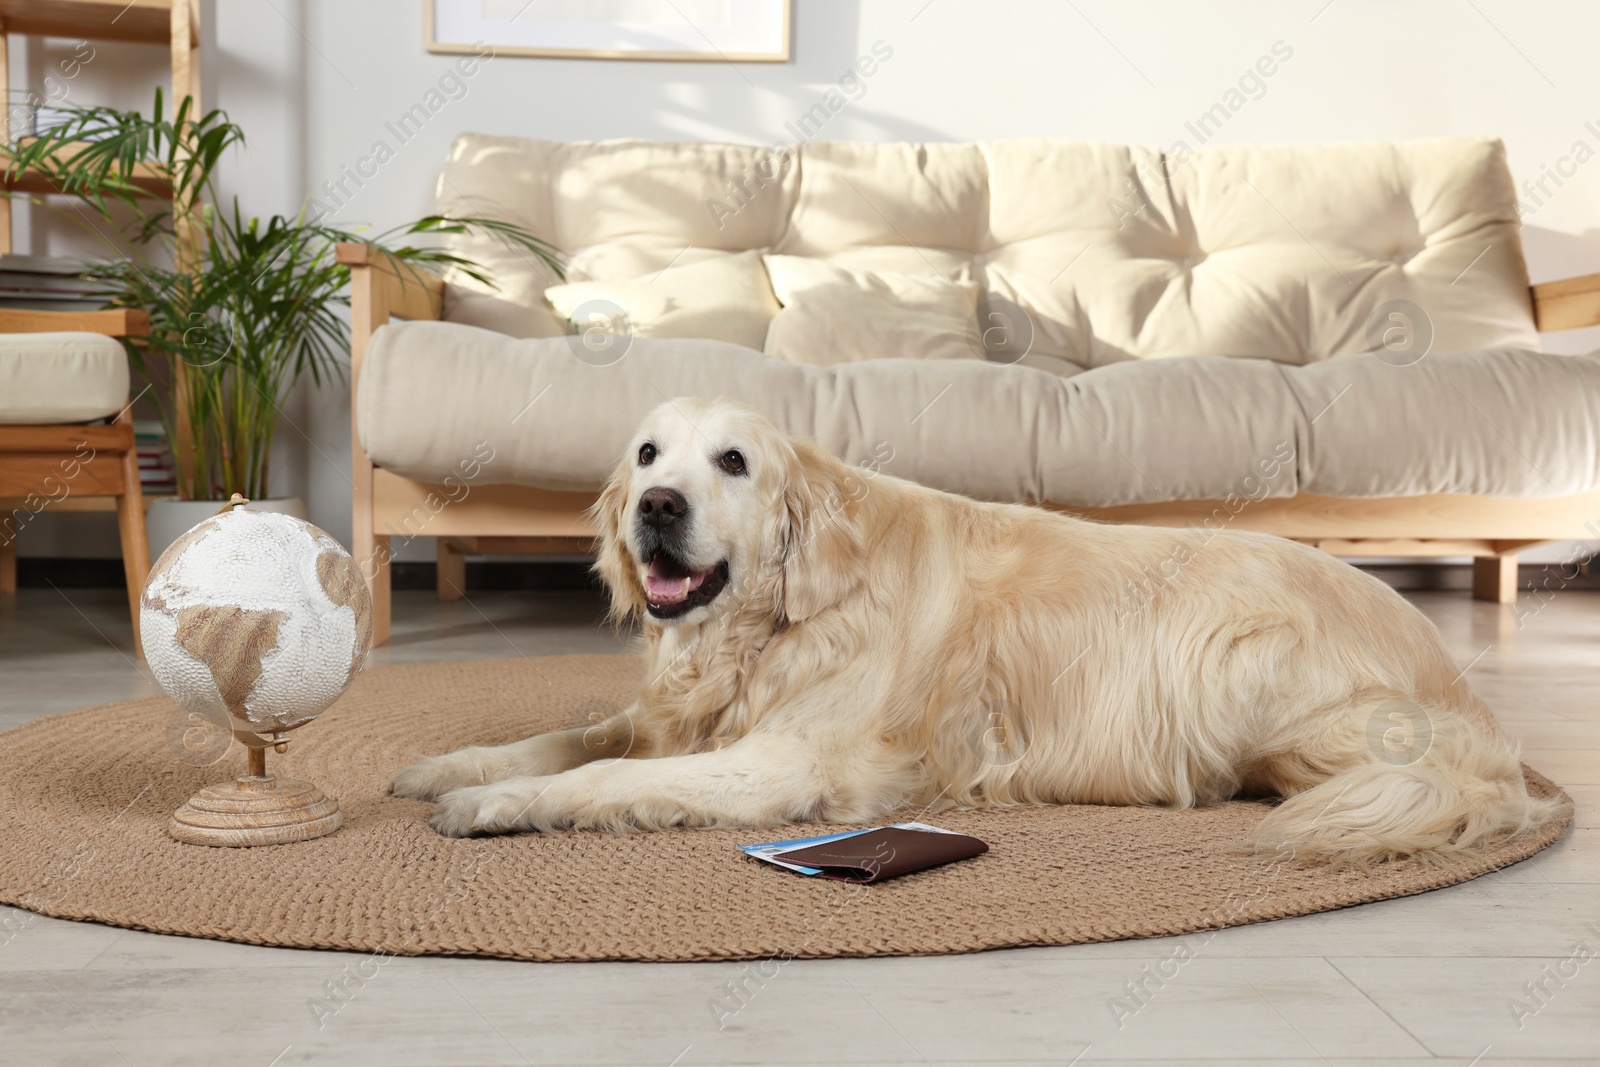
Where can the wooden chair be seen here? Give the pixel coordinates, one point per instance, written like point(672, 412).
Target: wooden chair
point(47, 464)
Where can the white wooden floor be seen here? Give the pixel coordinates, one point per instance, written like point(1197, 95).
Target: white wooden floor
point(1431, 979)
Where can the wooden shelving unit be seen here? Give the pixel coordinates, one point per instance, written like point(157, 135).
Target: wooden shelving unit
point(145, 178)
point(175, 23)
point(145, 21)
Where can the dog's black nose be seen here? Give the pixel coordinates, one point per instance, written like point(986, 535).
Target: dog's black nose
point(661, 507)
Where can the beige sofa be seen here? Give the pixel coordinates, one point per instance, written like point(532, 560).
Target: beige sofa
point(1335, 343)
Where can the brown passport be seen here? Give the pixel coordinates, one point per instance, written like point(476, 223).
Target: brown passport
point(885, 853)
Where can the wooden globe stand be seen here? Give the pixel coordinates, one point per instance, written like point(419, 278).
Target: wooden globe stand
point(256, 809)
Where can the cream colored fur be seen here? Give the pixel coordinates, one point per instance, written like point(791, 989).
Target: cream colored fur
point(883, 646)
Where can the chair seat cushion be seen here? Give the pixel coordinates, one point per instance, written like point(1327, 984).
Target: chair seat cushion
point(1501, 422)
point(61, 377)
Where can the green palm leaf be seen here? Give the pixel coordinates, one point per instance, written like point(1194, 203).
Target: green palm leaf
point(248, 306)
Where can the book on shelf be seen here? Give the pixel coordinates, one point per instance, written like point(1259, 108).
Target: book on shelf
point(47, 283)
point(18, 262)
point(46, 303)
point(17, 281)
point(158, 473)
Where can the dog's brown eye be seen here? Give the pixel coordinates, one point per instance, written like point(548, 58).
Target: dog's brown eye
point(732, 461)
point(647, 454)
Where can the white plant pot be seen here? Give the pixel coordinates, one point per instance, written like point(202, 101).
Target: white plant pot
point(168, 518)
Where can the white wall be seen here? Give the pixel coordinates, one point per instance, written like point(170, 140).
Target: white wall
point(315, 82)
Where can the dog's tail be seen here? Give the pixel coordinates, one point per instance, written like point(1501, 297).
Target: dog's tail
point(1458, 790)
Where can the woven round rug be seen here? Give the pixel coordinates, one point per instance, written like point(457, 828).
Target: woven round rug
point(87, 796)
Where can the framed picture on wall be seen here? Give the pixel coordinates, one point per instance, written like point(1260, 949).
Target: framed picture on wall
point(741, 31)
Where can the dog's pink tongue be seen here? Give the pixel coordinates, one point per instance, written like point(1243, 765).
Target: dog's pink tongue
point(666, 589)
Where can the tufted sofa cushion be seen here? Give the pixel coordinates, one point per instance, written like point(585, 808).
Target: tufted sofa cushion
point(1293, 253)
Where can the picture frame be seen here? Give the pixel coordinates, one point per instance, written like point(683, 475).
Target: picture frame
point(703, 31)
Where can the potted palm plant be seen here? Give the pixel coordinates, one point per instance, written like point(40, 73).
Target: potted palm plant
point(241, 308)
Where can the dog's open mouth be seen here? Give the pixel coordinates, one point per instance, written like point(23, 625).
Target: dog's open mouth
point(672, 589)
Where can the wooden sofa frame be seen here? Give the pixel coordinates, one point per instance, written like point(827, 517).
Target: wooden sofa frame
point(513, 518)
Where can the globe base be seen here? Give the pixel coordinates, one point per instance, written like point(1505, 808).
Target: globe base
point(255, 810)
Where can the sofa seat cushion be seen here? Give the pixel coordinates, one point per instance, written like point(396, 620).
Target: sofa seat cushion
point(435, 395)
point(61, 377)
point(1497, 422)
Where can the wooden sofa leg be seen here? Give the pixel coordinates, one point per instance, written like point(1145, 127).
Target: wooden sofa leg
point(135, 553)
point(8, 565)
point(372, 553)
point(1494, 578)
point(451, 581)
point(379, 586)
point(131, 529)
point(370, 548)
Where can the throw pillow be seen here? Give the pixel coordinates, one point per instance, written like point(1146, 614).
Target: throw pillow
point(722, 299)
point(834, 315)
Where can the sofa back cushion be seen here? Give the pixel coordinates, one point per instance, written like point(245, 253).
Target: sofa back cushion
point(1110, 252)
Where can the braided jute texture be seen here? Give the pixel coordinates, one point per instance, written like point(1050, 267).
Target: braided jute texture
point(87, 795)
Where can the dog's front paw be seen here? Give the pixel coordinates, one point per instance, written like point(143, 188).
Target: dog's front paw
point(488, 809)
point(456, 812)
point(430, 778)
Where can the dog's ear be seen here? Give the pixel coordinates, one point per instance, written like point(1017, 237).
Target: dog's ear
point(823, 557)
point(613, 563)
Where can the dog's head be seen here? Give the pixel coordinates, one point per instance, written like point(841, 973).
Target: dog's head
point(712, 507)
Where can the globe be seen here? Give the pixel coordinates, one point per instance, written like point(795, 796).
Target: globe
point(255, 621)
point(256, 615)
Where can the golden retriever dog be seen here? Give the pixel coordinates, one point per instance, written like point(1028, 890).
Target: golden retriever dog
point(825, 644)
